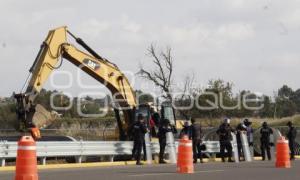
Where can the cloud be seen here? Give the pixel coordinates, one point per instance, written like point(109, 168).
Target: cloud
point(93, 27)
point(236, 31)
point(129, 25)
point(291, 19)
point(179, 34)
point(236, 40)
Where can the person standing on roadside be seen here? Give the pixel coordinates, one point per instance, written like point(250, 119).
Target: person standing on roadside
point(138, 130)
point(164, 128)
point(225, 138)
point(241, 128)
point(197, 140)
point(250, 131)
point(291, 135)
point(265, 146)
point(186, 130)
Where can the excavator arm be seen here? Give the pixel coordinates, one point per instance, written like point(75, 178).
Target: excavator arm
point(53, 50)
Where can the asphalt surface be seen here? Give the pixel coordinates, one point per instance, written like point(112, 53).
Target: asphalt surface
point(208, 171)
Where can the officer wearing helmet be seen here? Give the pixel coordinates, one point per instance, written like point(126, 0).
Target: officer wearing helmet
point(138, 130)
point(225, 138)
point(240, 129)
point(244, 127)
point(291, 135)
point(164, 128)
point(265, 132)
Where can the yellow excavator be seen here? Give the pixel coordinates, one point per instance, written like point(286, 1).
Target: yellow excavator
point(53, 50)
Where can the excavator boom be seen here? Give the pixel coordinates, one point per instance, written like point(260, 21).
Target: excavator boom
point(53, 49)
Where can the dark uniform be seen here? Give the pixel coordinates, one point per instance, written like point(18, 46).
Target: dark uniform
point(163, 130)
point(225, 138)
point(240, 129)
point(186, 131)
point(250, 132)
point(265, 132)
point(138, 132)
point(197, 140)
point(291, 135)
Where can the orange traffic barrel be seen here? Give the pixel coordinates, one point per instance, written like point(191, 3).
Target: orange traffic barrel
point(185, 156)
point(26, 165)
point(283, 153)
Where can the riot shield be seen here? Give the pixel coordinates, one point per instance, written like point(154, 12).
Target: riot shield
point(171, 148)
point(235, 148)
point(148, 148)
point(245, 145)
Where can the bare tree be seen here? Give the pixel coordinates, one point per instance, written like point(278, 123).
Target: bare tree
point(161, 76)
point(186, 96)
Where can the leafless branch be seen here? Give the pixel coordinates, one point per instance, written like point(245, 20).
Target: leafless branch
point(162, 75)
point(186, 95)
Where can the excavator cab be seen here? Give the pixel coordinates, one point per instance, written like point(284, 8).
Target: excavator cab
point(145, 110)
point(167, 112)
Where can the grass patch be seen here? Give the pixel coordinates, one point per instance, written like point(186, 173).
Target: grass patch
point(256, 122)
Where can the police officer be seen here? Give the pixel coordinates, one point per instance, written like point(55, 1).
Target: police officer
point(265, 132)
point(291, 135)
point(164, 128)
point(139, 130)
point(225, 138)
point(186, 130)
point(197, 140)
point(250, 131)
point(241, 128)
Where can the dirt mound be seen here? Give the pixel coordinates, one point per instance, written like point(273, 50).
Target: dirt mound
point(42, 118)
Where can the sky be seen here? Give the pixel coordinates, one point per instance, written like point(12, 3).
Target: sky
point(251, 43)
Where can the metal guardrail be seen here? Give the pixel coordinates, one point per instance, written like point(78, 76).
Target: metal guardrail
point(80, 149)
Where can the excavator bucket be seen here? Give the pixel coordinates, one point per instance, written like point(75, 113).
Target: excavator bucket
point(34, 118)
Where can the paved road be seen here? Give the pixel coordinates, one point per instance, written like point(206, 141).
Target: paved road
point(209, 171)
